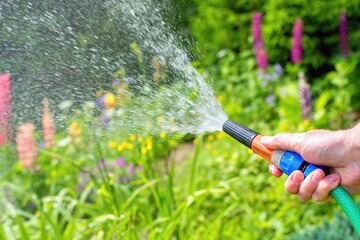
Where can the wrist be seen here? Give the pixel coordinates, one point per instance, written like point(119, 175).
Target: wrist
point(352, 137)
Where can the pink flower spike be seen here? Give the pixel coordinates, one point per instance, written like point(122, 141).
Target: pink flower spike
point(26, 145)
point(297, 49)
point(5, 108)
point(256, 31)
point(262, 59)
point(48, 125)
point(343, 34)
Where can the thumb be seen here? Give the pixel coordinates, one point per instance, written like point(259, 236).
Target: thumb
point(284, 141)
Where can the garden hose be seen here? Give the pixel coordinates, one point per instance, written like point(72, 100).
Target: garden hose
point(289, 162)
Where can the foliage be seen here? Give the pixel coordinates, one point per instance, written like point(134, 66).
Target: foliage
point(340, 228)
point(226, 25)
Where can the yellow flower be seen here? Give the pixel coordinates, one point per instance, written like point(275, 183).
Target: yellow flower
point(220, 98)
point(132, 137)
point(112, 144)
point(74, 129)
point(120, 147)
point(220, 135)
point(143, 150)
point(140, 139)
point(149, 146)
point(211, 137)
point(163, 134)
point(208, 146)
point(196, 141)
point(130, 146)
point(109, 101)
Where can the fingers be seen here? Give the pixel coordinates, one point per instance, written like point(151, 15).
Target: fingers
point(329, 183)
point(274, 170)
point(316, 186)
point(310, 184)
point(288, 141)
point(294, 181)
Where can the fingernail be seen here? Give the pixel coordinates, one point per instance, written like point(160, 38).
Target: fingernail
point(333, 178)
point(317, 176)
point(265, 139)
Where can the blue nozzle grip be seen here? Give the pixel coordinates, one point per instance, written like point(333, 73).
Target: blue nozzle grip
point(292, 161)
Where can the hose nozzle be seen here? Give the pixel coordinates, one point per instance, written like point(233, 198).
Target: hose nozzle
point(239, 132)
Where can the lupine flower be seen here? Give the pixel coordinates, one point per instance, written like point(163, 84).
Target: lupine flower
point(5, 107)
point(48, 125)
point(256, 31)
point(261, 57)
point(305, 97)
point(296, 50)
point(262, 60)
point(344, 46)
point(26, 145)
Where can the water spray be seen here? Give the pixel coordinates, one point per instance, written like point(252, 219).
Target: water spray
point(289, 162)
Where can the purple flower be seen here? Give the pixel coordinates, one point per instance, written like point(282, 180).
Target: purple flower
point(256, 31)
point(131, 169)
point(261, 57)
point(101, 164)
point(270, 100)
point(140, 168)
point(100, 101)
point(120, 162)
point(305, 97)
point(296, 50)
point(115, 82)
point(125, 179)
point(105, 120)
point(83, 175)
point(262, 60)
point(81, 187)
point(278, 69)
point(344, 46)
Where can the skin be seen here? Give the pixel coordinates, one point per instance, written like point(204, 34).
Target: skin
point(338, 150)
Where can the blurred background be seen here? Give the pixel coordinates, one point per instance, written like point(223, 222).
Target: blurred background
point(71, 170)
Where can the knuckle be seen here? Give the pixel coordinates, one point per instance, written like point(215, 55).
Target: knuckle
point(303, 198)
point(317, 198)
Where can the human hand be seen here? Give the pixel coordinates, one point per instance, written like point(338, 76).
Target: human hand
point(338, 150)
